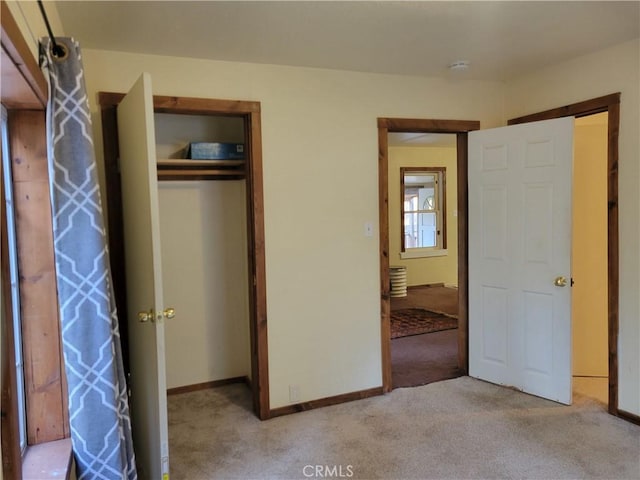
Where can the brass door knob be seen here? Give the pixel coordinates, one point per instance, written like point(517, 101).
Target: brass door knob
point(145, 317)
point(169, 313)
point(560, 282)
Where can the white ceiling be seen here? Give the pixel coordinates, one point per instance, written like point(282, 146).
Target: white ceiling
point(500, 39)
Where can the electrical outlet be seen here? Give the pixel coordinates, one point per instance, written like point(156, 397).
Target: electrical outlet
point(294, 393)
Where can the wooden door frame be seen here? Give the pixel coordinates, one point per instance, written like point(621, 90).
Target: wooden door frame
point(460, 128)
point(611, 104)
point(250, 112)
point(608, 103)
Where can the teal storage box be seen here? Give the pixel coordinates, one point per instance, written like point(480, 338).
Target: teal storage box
point(216, 151)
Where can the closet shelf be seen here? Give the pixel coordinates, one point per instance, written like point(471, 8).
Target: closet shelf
point(181, 162)
point(184, 169)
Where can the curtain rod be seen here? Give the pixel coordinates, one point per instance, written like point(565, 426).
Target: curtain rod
point(56, 50)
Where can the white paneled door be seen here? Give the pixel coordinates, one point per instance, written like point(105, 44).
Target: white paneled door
point(520, 181)
point(144, 281)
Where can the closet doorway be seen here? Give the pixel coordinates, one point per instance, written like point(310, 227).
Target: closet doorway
point(229, 219)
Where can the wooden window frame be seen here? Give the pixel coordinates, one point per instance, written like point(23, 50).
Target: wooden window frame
point(442, 188)
point(11, 454)
point(24, 94)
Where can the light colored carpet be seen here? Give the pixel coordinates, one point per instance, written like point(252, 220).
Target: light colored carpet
point(461, 428)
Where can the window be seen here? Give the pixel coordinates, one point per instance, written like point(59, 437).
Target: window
point(423, 211)
point(14, 282)
point(43, 409)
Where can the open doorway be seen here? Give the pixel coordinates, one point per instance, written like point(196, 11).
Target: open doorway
point(459, 128)
point(423, 258)
point(589, 258)
point(609, 104)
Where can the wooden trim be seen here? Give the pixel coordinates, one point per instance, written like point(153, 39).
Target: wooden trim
point(580, 109)
point(257, 269)
point(460, 128)
point(109, 99)
point(420, 125)
point(10, 435)
point(250, 111)
point(613, 254)
point(462, 152)
point(18, 50)
point(46, 391)
point(115, 232)
point(325, 402)
point(206, 385)
point(182, 174)
point(44, 367)
point(628, 416)
point(188, 105)
point(49, 461)
point(426, 285)
point(385, 287)
point(444, 206)
point(442, 187)
point(611, 104)
point(403, 246)
point(16, 92)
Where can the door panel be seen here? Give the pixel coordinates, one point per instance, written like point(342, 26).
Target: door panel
point(144, 280)
point(495, 326)
point(520, 242)
point(494, 228)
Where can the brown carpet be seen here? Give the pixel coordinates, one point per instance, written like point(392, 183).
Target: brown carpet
point(416, 321)
point(427, 358)
point(423, 359)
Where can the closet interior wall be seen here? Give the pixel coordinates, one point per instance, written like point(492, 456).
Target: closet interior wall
point(204, 258)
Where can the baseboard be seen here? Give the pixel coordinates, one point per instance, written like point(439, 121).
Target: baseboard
point(325, 402)
point(205, 385)
point(426, 285)
point(631, 417)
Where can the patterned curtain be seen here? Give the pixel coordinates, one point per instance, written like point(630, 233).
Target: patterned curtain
point(98, 402)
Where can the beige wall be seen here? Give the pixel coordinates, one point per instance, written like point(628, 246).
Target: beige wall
point(319, 136)
point(589, 251)
point(615, 69)
point(422, 271)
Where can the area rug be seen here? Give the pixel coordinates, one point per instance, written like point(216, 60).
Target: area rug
point(416, 321)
